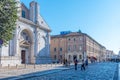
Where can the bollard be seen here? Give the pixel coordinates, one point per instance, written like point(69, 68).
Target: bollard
point(16, 66)
point(51, 64)
point(55, 64)
point(40, 65)
point(8, 66)
point(34, 66)
point(0, 65)
point(25, 66)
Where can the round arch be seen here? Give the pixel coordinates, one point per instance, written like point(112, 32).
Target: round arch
point(26, 45)
point(29, 32)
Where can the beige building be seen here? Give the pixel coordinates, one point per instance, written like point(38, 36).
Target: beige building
point(69, 45)
point(109, 54)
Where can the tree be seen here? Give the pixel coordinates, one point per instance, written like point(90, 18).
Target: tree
point(8, 18)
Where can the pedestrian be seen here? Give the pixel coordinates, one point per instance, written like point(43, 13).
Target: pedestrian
point(86, 62)
point(66, 62)
point(83, 65)
point(75, 63)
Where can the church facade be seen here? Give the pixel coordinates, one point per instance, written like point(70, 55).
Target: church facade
point(31, 41)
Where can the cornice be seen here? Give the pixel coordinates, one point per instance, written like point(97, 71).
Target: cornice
point(24, 20)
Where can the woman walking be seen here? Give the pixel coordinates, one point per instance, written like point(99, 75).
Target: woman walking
point(83, 65)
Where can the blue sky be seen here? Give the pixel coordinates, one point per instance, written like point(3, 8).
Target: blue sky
point(98, 18)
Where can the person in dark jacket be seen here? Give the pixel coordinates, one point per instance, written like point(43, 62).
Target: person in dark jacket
point(75, 63)
point(86, 62)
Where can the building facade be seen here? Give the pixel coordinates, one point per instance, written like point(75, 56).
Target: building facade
point(69, 45)
point(94, 49)
point(109, 55)
point(31, 41)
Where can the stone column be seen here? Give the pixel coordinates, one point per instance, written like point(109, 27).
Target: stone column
point(36, 42)
point(17, 41)
point(48, 44)
point(32, 56)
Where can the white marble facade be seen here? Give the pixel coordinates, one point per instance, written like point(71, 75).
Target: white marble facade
point(31, 41)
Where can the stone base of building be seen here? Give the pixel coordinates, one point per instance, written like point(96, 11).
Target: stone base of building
point(43, 60)
point(10, 61)
point(16, 61)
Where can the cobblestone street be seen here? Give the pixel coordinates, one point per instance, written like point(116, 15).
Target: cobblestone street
point(97, 71)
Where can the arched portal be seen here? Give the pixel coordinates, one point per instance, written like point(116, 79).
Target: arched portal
point(42, 49)
point(74, 57)
point(26, 43)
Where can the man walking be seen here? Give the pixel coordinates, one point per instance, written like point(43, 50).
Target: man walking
point(86, 62)
point(75, 62)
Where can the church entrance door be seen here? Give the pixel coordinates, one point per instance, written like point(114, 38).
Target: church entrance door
point(23, 56)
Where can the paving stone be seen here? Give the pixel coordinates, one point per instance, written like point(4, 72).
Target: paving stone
point(98, 71)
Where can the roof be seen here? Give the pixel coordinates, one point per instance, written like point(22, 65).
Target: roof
point(75, 34)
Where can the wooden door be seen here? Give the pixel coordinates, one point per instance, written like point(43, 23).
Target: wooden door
point(23, 56)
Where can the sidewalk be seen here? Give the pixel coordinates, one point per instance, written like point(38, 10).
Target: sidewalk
point(47, 69)
point(97, 71)
point(16, 73)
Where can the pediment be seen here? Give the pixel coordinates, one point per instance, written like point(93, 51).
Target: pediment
point(42, 24)
point(25, 43)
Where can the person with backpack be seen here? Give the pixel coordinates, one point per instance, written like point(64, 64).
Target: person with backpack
point(75, 63)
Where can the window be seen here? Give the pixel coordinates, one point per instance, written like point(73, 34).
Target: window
point(54, 40)
point(60, 40)
point(80, 56)
point(74, 39)
point(60, 56)
point(26, 37)
point(54, 56)
point(69, 56)
point(69, 48)
point(80, 48)
point(80, 38)
point(60, 49)
point(23, 13)
point(24, 33)
point(74, 47)
point(69, 39)
point(54, 49)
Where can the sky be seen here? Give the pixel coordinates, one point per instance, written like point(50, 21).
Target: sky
point(100, 19)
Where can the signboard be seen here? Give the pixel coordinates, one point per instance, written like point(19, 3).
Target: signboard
point(1, 41)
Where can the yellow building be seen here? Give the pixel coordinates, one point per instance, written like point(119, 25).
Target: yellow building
point(69, 45)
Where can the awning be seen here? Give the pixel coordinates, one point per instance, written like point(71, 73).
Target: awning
point(92, 57)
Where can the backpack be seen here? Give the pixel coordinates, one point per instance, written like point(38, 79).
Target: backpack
point(76, 61)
